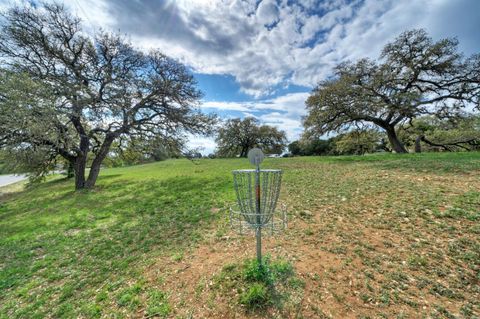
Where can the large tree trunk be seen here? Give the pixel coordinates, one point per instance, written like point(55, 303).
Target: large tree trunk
point(243, 152)
point(418, 145)
point(93, 175)
point(82, 157)
point(97, 162)
point(394, 141)
point(70, 169)
point(79, 168)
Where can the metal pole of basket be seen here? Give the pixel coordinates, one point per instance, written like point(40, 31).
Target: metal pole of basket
point(255, 155)
point(258, 231)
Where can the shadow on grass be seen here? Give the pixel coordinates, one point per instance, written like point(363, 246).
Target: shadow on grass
point(58, 180)
point(52, 236)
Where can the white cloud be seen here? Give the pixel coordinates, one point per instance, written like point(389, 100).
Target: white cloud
point(284, 112)
point(278, 42)
point(267, 12)
point(226, 106)
point(292, 103)
point(292, 126)
point(275, 43)
point(205, 145)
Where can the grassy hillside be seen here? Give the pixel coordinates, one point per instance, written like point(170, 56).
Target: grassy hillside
point(380, 236)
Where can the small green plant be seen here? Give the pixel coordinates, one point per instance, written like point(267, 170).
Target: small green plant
point(256, 296)
point(255, 272)
point(260, 285)
point(127, 299)
point(157, 304)
point(415, 261)
point(281, 269)
point(177, 257)
point(296, 283)
point(268, 272)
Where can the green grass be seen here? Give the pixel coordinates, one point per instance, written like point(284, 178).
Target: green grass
point(403, 228)
point(58, 247)
point(255, 296)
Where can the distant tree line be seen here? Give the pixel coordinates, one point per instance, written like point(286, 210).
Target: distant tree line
point(427, 133)
point(351, 143)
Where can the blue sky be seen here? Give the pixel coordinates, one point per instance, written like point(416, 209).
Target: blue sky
point(262, 57)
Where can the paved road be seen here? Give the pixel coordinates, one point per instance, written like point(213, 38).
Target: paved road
point(10, 179)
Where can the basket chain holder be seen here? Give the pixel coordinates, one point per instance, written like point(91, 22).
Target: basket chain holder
point(257, 195)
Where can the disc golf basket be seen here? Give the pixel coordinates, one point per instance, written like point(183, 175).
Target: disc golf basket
point(257, 193)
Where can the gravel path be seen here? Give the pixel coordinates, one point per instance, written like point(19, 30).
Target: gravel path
point(10, 179)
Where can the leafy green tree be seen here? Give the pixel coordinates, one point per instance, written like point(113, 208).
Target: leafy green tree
point(132, 150)
point(237, 137)
point(26, 112)
point(3, 169)
point(310, 147)
point(91, 91)
point(358, 142)
point(316, 147)
point(451, 134)
point(295, 148)
point(415, 76)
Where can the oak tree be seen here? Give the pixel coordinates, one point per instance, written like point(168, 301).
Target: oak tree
point(415, 76)
point(98, 88)
point(236, 137)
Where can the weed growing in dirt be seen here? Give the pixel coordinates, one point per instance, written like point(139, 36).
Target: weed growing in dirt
point(157, 304)
point(256, 296)
point(256, 272)
point(259, 286)
point(268, 272)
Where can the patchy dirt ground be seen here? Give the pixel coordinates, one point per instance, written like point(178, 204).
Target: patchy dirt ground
point(368, 243)
point(378, 236)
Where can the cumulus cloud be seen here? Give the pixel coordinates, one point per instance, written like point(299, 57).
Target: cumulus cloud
point(205, 145)
point(269, 44)
point(284, 112)
point(267, 12)
point(278, 42)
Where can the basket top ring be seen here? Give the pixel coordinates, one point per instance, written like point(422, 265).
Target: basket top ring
point(239, 171)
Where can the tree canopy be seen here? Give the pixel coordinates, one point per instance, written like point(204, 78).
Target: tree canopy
point(65, 93)
point(451, 134)
point(309, 147)
point(415, 76)
point(236, 137)
point(358, 142)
